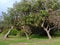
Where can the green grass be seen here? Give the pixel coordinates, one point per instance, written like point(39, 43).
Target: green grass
point(33, 41)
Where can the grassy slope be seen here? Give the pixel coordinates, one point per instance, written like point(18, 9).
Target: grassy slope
point(33, 41)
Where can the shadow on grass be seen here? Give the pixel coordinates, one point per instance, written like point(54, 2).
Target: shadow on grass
point(39, 36)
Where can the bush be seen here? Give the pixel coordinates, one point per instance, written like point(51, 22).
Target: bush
point(14, 32)
point(57, 33)
point(21, 33)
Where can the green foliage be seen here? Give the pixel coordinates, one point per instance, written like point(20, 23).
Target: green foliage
point(28, 13)
point(5, 31)
point(44, 13)
point(57, 33)
point(21, 33)
point(14, 32)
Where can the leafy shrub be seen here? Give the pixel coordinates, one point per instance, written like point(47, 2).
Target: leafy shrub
point(57, 33)
point(21, 33)
point(14, 32)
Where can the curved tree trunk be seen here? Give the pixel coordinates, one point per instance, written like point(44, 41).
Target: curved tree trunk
point(48, 34)
point(6, 35)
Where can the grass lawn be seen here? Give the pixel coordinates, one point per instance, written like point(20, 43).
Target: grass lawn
point(33, 41)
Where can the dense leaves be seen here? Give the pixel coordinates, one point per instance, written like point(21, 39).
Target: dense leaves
point(32, 13)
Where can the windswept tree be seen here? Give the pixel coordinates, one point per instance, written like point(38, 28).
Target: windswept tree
point(36, 13)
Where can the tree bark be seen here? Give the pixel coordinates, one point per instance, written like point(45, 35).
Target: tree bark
point(48, 34)
point(6, 35)
point(27, 36)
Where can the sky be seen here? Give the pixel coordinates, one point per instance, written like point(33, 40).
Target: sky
point(5, 4)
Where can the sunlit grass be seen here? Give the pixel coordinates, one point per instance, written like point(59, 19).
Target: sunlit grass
point(32, 41)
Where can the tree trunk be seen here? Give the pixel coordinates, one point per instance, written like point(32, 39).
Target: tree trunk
point(48, 34)
point(27, 36)
point(6, 35)
point(47, 30)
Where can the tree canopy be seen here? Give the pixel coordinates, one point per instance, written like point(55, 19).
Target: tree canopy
point(33, 13)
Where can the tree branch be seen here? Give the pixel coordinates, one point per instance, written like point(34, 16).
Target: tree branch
point(51, 28)
point(42, 24)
